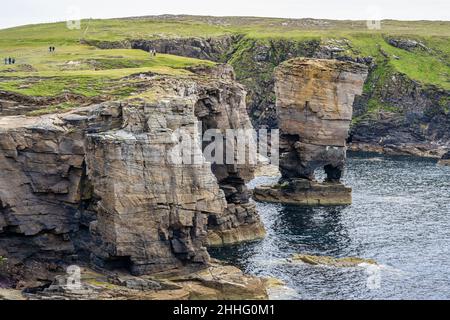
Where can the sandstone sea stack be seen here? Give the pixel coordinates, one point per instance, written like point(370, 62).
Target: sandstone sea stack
point(314, 110)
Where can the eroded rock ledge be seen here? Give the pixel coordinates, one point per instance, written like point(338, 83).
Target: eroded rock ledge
point(314, 109)
point(98, 184)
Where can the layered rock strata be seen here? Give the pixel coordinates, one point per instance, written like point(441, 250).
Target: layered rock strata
point(221, 110)
point(314, 109)
point(102, 183)
point(445, 160)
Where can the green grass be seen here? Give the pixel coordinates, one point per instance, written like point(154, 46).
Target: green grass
point(75, 58)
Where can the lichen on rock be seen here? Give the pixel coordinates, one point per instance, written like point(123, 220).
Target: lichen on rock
point(332, 262)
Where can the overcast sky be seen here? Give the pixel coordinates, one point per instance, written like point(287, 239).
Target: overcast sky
point(19, 12)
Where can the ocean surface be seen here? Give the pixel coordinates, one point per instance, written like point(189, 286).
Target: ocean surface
point(400, 217)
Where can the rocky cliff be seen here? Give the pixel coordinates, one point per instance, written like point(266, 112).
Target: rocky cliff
point(314, 108)
point(102, 182)
point(397, 115)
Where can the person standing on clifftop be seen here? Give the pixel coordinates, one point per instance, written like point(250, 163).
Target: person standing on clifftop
point(9, 60)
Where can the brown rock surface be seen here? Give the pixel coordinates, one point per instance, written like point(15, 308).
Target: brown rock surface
point(314, 109)
point(222, 110)
point(101, 181)
point(216, 282)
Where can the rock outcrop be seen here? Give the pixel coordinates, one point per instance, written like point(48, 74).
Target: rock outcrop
point(407, 44)
point(103, 183)
point(399, 116)
point(216, 282)
point(213, 48)
point(222, 110)
point(395, 115)
point(152, 211)
point(445, 160)
point(346, 262)
point(314, 109)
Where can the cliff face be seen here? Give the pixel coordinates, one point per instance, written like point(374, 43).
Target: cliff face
point(102, 182)
point(42, 165)
point(314, 108)
point(152, 211)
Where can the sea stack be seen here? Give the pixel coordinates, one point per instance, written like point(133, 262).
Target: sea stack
point(314, 109)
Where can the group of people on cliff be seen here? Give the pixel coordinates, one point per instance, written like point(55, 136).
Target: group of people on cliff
point(10, 60)
point(51, 49)
point(152, 52)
